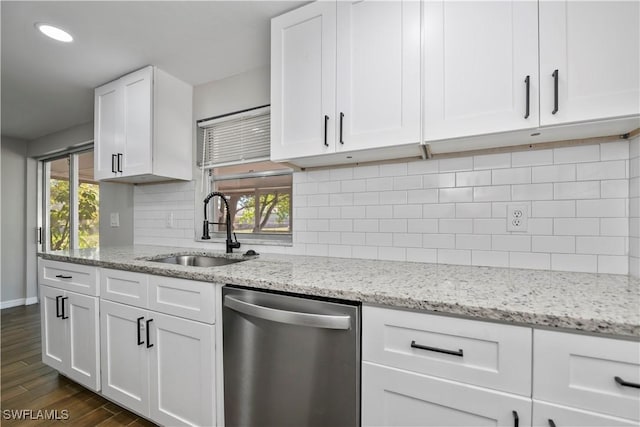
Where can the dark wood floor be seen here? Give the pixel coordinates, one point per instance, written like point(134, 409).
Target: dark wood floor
point(28, 384)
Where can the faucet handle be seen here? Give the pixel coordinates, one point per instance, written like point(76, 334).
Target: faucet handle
point(235, 244)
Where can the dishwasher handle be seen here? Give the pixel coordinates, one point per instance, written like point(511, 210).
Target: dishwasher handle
point(323, 321)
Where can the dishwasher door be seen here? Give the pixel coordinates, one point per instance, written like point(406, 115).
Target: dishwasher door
point(290, 361)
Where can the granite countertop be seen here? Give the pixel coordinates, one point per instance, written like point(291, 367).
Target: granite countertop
point(594, 303)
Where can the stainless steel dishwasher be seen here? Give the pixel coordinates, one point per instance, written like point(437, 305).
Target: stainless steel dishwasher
point(290, 361)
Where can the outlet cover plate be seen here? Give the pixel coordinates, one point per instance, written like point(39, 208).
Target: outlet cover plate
point(517, 217)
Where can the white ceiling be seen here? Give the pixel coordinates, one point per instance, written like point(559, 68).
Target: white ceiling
point(48, 86)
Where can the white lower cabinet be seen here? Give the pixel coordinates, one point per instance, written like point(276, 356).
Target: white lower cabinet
point(157, 365)
point(70, 334)
point(393, 397)
point(549, 415)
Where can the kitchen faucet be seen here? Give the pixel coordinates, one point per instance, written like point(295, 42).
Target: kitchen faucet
point(205, 229)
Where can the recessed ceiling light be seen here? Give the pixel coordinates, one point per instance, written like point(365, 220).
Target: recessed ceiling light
point(55, 33)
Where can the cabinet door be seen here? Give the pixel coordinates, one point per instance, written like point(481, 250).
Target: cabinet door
point(563, 416)
point(378, 77)
point(595, 46)
point(181, 371)
point(107, 129)
point(84, 343)
point(124, 362)
point(55, 350)
point(392, 397)
point(137, 126)
point(303, 70)
point(478, 56)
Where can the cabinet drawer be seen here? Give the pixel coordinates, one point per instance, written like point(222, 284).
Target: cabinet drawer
point(68, 276)
point(392, 397)
point(570, 417)
point(185, 298)
point(480, 353)
point(580, 371)
point(124, 286)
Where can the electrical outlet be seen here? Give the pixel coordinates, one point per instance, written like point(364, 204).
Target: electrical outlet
point(114, 219)
point(170, 220)
point(517, 217)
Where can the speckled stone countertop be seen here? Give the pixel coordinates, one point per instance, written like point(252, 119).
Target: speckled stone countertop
point(595, 303)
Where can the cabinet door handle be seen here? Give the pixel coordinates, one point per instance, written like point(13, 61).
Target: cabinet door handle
point(626, 383)
point(62, 304)
point(551, 423)
point(437, 350)
point(40, 235)
point(516, 419)
point(555, 91)
point(341, 119)
point(113, 163)
point(62, 276)
point(326, 122)
point(149, 345)
point(119, 162)
point(527, 82)
point(58, 306)
point(140, 342)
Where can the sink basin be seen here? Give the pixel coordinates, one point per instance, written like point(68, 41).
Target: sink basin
point(198, 260)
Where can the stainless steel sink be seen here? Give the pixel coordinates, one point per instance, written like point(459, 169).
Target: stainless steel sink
point(198, 260)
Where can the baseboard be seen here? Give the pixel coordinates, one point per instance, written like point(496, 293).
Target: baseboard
point(12, 303)
point(31, 300)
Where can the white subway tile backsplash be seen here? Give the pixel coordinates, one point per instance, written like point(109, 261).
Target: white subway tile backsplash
point(601, 245)
point(341, 174)
point(365, 225)
point(422, 196)
point(315, 200)
point(473, 210)
point(553, 209)
point(379, 211)
point(614, 189)
point(490, 258)
point(455, 226)
point(441, 180)
point(573, 262)
point(576, 190)
point(365, 252)
point(454, 256)
point(407, 240)
point(330, 212)
point(422, 167)
point(352, 211)
point(554, 244)
point(540, 226)
point(608, 264)
point(319, 175)
point(396, 225)
point(492, 161)
point(511, 176)
point(366, 172)
point(438, 241)
point(318, 225)
point(393, 169)
point(601, 170)
point(456, 164)
point(509, 242)
point(379, 184)
point(407, 182)
point(370, 198)
point(490, 226)
point(496, 193)
point(531, 158)
point(604, 208)
point(472, 179)
point(392, 254)
point(532, 192)
point(407, 211)
point(393, 198)
point(439, 210)
point(450, 195)
point(317, 249)
point(329, 187)
point(340, 251)
point(473, 241)
point(530, 260)
point(415, 226)
point(576, 154)
point(576, 226)
point(357, 239)
point(379, 239)
point(422, 255)
point(555, 173)
point(353, 186)
point(330, 237)
point(614, 151)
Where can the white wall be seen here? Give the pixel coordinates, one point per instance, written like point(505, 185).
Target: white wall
point(13, 289)
point(634, 208)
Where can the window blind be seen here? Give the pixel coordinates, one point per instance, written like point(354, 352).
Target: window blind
point(236, 138)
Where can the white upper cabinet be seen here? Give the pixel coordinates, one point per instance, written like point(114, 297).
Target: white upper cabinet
point(303, 81)
point(345, 77)
point(143, 128)
point(589, 60)
point(378, 74)
point(480, 67)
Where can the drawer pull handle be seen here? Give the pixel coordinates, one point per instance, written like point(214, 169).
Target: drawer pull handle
point(58, 306)
point(62, 276)
point(149, 345)
point(140, 342)
point(437, 350)
point(555, 91)
point(516, 419)
point(626, 383)
point(527, 82)
point(551, 423)
point(341, 119)
point(326, 121)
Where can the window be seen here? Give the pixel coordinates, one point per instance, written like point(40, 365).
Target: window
point(70, 202)
point(234, 154)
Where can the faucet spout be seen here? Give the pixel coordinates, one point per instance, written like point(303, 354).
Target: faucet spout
point(230, 244)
